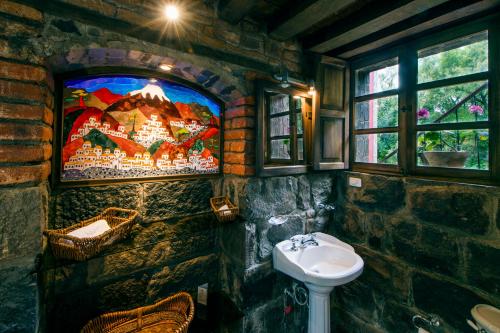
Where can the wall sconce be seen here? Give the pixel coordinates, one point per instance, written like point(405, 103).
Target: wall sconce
point(282, 77)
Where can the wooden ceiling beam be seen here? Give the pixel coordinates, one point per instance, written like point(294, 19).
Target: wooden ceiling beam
point(306, 16)
point(446, 14)
point(233, 11)
point(328, 38)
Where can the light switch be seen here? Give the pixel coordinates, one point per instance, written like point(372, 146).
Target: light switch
point(355, 182)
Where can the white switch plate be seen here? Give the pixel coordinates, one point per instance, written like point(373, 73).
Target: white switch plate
point(355, 182)
point(203, 294)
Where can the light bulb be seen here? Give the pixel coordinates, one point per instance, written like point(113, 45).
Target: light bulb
point(171, 12)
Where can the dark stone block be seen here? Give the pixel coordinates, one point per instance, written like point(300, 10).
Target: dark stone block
point(464, 211)
point(176, 198)
point(378, 194)
point(18, 287)
point(449, 301)
point(350, 224)
point(250, 42)
point(484, 266)
point(259, 291)
point(21, 220)
point(377, 232)
point(74, 205)
point(271, 197)
point(356, 298)
point(66, 26)
point(292, 225)
point(385, 275)
point(435, 250)
point(405, 230)
point(187, 275)
point(397, 318)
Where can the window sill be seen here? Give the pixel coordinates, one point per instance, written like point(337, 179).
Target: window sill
point(282, 170)
point(477, 180)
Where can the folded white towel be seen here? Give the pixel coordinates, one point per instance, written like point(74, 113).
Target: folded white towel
point(225, 210)
point(92, 230)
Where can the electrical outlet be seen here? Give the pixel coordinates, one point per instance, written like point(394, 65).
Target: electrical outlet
point(203, 294)
point(355, 182)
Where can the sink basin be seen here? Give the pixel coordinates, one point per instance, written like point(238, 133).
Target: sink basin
point(322, 264)
point(331, 263)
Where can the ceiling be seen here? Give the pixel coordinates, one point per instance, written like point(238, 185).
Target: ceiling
point(347, 28)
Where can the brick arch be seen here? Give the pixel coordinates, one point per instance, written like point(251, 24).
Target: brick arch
point(239, 113)
point(219, 84)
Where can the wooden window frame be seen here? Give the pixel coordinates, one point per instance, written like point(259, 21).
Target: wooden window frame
point(408, 58)
point(274, 167)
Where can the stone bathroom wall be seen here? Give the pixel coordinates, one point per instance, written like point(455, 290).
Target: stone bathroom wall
point(428, 247)
point(272, 209)
point(172, 248)
point(175, 245)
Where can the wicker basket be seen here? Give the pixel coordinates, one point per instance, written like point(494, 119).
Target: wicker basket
point(171, 315)
point(65, 246)
point(225, 215)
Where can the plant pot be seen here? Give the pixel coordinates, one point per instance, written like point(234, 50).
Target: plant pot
point(446, 159)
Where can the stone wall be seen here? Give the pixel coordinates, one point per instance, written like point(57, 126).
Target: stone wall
point(174, 247)
point(25, 133)
point(428, 247)
point(272, 209)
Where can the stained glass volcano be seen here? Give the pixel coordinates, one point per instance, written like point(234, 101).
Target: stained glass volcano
point(125, 126)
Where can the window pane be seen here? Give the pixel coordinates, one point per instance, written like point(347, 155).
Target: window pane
point(297, 101)
point(454, 149)
point(377, 148)
point(280, 149)
point(376, 113)
point(280, 126)
point(439, 105)
point(300, 149)
point(300, 125)
point(279, 103)
point(377, 78)
point(456, 58)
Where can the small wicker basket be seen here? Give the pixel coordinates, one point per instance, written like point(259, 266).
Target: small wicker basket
point(171, 315)
point(65, 246)
point(225, 215)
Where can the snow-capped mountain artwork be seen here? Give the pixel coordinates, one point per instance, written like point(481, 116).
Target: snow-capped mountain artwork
point(119, 127)
point(151, 91)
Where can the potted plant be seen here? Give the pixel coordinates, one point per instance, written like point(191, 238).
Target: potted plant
point(435, 150)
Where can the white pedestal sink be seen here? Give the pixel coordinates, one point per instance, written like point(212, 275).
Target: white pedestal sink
point(322, 262)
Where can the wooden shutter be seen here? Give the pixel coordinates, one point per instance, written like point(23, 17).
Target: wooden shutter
point(330, 119)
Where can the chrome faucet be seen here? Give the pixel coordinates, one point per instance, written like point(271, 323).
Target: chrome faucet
point(303, 241)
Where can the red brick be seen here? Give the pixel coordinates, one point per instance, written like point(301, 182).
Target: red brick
point(25, 112)
point(10, 28)
point(24, 132)
point(15, 71)
point(242, 146)
point(48, 116)
point(227, 168)
point(242, 111)
point(242, 122)
point(95, 5)
point(242, 170)
point(227, 125)
point(227, 146)
point(238, 158)
point(16, 9)
point(23, 174)
point(248, 100)
point(239, 134)
point(18, 153)
point(21, 90)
